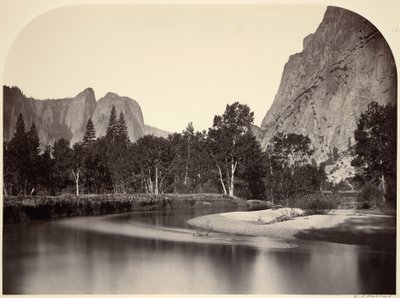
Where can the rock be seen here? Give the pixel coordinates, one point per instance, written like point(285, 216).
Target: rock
point(151, 130)
point(130, 108)
point(54, 119)
point(344, 65)
point(67, 118)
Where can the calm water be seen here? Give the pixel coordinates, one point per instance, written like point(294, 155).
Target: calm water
point(157, 253)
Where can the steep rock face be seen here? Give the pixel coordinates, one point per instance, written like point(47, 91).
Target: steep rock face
point(54, 119)
point(344, 65)
point(132, 113)
point(67, 118)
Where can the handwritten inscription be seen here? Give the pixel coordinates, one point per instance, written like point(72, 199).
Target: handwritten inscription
point(372, 296)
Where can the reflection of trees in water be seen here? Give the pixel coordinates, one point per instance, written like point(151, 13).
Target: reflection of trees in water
point(49, 257)
point(280, 272)
point(377, 273)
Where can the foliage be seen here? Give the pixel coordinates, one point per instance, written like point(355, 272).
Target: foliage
point(229, 140)
point(21, 208)
point(22, 161)
point(370, 196)
point(316, 203)
point(225, 159)
point(90, 132)
point(375, 146)
point(291, 173)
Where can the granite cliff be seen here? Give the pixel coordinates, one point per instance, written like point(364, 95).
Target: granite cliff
point(54, 118)
point(344, 65)
point(67, 118)
point(130, 108)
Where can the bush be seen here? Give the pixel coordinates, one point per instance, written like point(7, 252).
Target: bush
point(316, 204)
point(370, 197)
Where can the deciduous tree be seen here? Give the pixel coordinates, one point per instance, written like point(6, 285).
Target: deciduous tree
point(225, 142)
point(375, 145)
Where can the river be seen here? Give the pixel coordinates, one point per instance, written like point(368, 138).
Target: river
point(158, 253)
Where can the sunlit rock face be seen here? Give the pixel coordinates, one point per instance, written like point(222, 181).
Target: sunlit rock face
point(54, 118)
point(344, 65)
point(132, 113)
point(67, 118)
point(151, 130)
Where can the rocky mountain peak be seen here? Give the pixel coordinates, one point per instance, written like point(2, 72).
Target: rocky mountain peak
point(67, 117)
point(130, 108)
point(344, 65)
point(88, 92)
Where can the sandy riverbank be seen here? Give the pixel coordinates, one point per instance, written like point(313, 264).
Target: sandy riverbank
point(340, 226)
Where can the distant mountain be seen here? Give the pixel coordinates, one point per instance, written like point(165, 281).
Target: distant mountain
point(54, 119)
point(151, 130)
point(67, 118)
point(344, 65)
point(130, 108)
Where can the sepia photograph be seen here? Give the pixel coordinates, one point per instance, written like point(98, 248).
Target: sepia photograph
point(203, 148)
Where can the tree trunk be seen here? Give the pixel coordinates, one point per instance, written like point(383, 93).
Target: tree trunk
point(150, 185)
point(232, 184)
point(175, 181)
point(221, 180)
point(156, 184)
point(187, 164)
point(76, 177)
point(383, 186)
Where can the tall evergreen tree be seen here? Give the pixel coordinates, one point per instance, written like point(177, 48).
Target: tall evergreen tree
point(112, 125)
point(18, 157)
point(33, 167)
point(90, 132)
point(46, 171)
point(62, 154)
point(121, 130)
point(20, 127)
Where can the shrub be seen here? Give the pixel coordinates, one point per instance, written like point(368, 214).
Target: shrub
point(370, 196)
point(316, 204)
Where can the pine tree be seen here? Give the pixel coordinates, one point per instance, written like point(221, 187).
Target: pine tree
point(62, 154)
point(33, 141)
point(18, 157)
point(90, 133)
point(121, 130)
point(33, 165)
point(112, 125)
point(20, 127)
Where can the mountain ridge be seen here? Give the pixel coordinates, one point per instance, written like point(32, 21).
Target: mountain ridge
point(67, 117)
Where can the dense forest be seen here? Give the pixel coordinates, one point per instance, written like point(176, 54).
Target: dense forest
point(225, 159)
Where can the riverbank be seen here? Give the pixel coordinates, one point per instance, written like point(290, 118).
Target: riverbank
point(19, 208)
point(339, 226)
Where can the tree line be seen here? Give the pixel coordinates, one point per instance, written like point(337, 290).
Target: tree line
point(226, 159)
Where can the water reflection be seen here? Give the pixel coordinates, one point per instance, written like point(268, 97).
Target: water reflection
point(53, 258)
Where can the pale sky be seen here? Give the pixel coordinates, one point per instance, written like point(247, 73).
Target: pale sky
point(180, 63)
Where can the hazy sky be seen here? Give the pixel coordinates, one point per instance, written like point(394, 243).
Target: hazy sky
point(180, 63)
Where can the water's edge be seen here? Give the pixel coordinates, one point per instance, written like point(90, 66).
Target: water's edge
point(20, 209)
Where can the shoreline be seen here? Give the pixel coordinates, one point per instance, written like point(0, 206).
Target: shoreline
point(21, 209)
point(340, 226)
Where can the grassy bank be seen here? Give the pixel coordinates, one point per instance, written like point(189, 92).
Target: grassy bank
point(19, 208)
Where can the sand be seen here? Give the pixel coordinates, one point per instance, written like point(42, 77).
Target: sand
point(340, 226)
